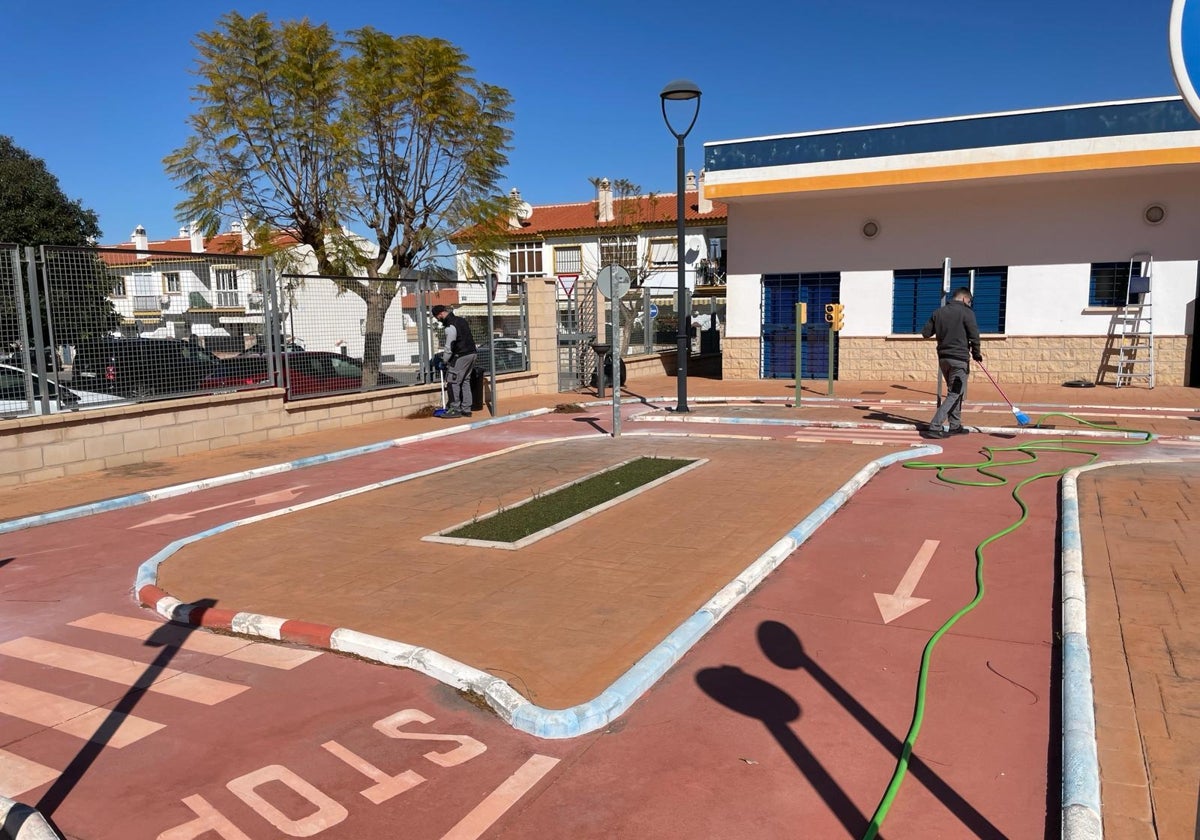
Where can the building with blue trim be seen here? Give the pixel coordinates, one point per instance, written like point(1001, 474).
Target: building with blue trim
point(1047, 213)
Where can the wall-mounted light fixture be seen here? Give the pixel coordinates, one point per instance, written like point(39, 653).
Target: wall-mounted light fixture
point(870, 228)
point(1154, 214)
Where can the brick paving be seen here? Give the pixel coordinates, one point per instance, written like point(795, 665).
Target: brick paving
point(1141, 545)
point(562, 618)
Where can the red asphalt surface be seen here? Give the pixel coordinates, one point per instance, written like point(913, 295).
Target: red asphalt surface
point(785, 721)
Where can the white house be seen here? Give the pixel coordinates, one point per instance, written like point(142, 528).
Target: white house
point(1047, 212)
point(572, 242)
point(218, 290)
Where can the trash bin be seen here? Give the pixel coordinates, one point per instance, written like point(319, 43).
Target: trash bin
point(477, 389)
point(608, 369)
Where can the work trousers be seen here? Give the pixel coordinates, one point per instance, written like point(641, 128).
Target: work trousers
point(954, 371)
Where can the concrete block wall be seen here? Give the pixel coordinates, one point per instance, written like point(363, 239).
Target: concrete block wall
point(34, 449)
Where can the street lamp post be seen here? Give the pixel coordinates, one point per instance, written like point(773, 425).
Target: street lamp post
point(680, 89)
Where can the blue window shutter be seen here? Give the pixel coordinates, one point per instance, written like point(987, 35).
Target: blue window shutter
point(915, 296)
point(990, 294)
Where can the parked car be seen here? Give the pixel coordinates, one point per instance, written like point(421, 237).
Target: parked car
point(238, 372)
point(510, 355)
point(13, 399)
point(306, 372)
point(142, 368)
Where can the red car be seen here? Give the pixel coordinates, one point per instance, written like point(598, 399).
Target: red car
point(307, 372)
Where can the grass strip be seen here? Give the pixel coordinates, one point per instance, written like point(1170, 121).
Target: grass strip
point(540, 512)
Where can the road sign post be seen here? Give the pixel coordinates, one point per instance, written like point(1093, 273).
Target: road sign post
point(1184, 43)
point(613, 282)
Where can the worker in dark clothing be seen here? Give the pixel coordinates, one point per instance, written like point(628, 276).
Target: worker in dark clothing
point(957, 334)
point(458, 358)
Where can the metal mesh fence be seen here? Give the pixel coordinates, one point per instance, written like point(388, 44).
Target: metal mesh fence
point(353, 333)
point(93, 327)
point(140, 325)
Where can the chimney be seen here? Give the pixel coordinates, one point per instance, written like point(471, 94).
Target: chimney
point(140, 240)
point(247, 237)
point(197, 238)
point(183, 233)
point(691, 182)
point(703, 202)
point(514, 198)
point(604, 201)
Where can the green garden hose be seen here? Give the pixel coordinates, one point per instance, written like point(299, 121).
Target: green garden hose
point(988, 468)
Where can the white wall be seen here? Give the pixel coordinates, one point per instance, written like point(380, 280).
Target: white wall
point(743, 305)
point(867, 311)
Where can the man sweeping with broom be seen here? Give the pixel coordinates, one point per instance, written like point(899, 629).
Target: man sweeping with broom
point(957, 334)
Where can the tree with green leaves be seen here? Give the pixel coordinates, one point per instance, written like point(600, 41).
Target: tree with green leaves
point(35, 211)
point(300, 131)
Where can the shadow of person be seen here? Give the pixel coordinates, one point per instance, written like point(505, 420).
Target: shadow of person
point(888, 417)
point(168, 638)
point(784, 649)
point(748, 695)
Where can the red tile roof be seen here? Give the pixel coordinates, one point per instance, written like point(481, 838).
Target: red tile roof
point(649, 211)
point(221, 244)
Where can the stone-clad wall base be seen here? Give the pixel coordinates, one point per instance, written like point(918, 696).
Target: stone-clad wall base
point(1032, 360)
point(740, 358)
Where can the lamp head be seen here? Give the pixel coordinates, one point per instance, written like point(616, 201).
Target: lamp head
point(680, 89)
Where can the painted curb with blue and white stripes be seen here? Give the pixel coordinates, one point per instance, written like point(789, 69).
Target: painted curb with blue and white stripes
point(22, 822)
point(1081, 811)
point(134, 499)
point(510, 705)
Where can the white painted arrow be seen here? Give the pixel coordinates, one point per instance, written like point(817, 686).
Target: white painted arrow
point(901, 601)
point(276, 498)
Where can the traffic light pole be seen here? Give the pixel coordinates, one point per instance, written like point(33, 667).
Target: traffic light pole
point(832, 339)
point(834, 314)
point(801, 317)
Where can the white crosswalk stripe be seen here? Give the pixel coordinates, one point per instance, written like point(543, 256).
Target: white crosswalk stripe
point(19, 774)
point(198, 641)
point(126, 672)
point(71, 716)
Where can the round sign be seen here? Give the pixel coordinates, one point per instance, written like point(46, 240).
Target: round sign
point(613, 281)
point(1185, 51)
point(654, 310)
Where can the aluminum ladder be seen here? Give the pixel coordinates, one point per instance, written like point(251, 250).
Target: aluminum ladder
point(1132, 328)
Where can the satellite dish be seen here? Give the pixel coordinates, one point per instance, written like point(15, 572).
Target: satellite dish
point(524, 211)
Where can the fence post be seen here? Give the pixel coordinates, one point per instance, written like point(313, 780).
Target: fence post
point(35, 307)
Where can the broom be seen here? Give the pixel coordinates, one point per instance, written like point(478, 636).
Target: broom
point(1022, 417)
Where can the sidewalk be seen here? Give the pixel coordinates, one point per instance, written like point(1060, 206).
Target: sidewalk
point(1139, 530)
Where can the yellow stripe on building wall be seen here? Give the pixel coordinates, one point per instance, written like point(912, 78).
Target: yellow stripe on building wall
point(956, 172)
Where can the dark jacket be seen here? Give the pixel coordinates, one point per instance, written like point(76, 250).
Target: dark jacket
point(956, 329)
point(464, 342)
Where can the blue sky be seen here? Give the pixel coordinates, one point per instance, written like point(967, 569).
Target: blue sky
point(101, 91)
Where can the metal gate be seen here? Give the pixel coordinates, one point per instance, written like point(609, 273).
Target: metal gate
point(576, 332)
point(781, 293)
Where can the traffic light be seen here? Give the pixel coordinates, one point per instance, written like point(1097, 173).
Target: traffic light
point(835, 315)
